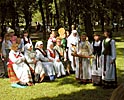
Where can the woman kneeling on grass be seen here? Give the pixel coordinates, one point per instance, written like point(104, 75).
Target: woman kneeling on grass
point(18, 71)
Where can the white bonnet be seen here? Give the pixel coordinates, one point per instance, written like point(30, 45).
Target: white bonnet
point(74, 31)
point(49, 43)
point(38, 43)
point(27, 46)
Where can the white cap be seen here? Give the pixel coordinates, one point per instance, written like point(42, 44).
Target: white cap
point(38, 43)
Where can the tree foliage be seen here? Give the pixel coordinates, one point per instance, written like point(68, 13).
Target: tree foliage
point(61, 13)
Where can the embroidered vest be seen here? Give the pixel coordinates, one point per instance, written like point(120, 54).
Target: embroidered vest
point(52, 54)
point(107, 47)
point(44, 53)
point(25, 42)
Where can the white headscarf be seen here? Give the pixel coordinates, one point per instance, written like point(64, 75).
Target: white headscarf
point(74, 32)
point(49, 44)
point(72, 38)
point(38, 43)
point(27, 46)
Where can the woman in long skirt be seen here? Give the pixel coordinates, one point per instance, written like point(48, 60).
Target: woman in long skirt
point(54, 56)
point(18, 70)
point(36, 68)
point(108, 61)
point(83, 71)
point(96, 61)
point(41, 56)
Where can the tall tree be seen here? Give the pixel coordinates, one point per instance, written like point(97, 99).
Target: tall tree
point(57, 12)
point(43, 17)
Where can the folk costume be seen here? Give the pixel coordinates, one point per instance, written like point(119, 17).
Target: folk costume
point(72, 40)
point(18, 70)
point(12, 35)
point(108, 62)
point(42, 58)
point(52, 37)
point(35, 66)
point(26, 39)
point(6, 46)
point(63, 36)
point(65, 61)
point(96, 62)
point(54, 56)
point(83, 70)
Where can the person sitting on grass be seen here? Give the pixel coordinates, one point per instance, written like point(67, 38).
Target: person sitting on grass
point(35, 66)
point(54, 56)
point(63, 56)
point(41, 56)
point(18, 71)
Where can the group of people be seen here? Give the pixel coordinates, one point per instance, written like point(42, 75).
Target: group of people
point(26, 63)
point(93, 62)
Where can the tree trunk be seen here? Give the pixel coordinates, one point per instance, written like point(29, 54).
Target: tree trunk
point(43, 18)
point(88, 26)
point(3, 16)
point(102, 21)
point(27, 17)
point(47, 13)
point(57, 12)
point(68, 14)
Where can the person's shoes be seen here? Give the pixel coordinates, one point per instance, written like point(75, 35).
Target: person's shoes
point(81, 82)
point(52, 77)
point(89, 81)
point(63, 76)
point(22, 84)
point(77, 79)
point(29, 84)
point(15, 85)
point(94, 84)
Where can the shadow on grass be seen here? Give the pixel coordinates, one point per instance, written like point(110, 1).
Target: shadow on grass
point(94, 93)
point(69, 80)
point(82, 95)
point(120, 76)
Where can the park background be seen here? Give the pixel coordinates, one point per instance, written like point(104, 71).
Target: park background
point(88, 15)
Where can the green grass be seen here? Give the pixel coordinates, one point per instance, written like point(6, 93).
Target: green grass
point(65, 88)
point(62, 89)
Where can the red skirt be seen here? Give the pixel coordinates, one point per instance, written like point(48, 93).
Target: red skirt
point(12, 76)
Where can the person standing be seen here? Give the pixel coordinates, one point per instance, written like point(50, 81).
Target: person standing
point(6, 46)
point(13, 37)
point(25, 39)
point(96, 61)
point(72, 39)
point(83, 69)
point(108, 61)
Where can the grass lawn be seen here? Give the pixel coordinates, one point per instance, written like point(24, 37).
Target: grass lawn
point(65, 88)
